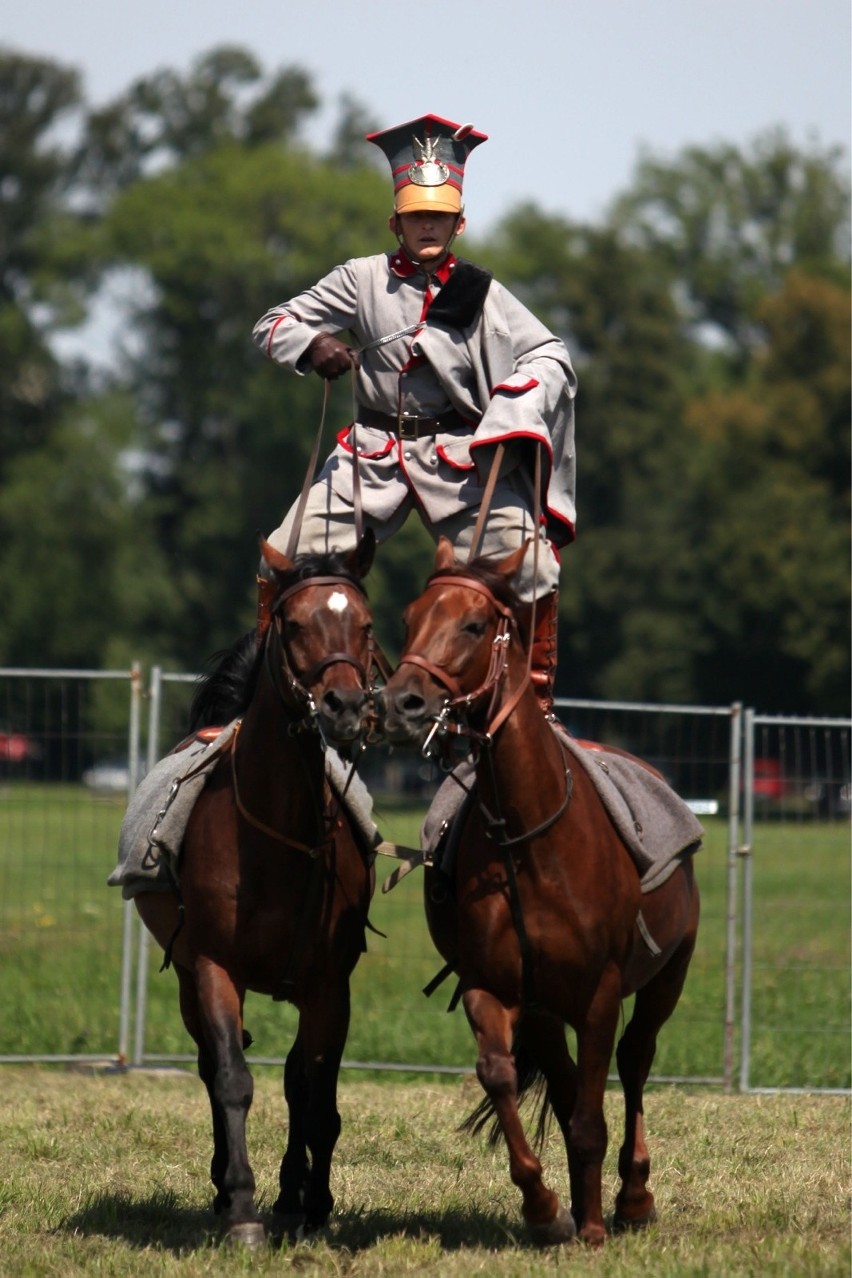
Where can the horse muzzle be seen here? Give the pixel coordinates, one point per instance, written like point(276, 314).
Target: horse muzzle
point(344, 714)
point(405, 716)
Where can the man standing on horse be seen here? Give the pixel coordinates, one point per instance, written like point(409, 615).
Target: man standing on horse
point(448, 365)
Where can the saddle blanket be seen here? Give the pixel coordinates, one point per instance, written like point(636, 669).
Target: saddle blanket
point(152, 831)
point(652, 821)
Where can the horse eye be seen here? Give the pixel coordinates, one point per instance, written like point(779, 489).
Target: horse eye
point(475, 628)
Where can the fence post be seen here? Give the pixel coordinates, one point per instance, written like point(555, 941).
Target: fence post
point(155, 701)
point(745, 851)
point(735, 762)
point(129, 918)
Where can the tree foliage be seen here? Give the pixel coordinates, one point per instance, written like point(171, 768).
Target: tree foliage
point(708, 317)
point(35, 174)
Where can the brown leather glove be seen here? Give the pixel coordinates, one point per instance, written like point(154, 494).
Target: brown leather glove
point(330, 357)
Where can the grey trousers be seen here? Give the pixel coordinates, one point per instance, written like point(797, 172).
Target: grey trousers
point(328, 524)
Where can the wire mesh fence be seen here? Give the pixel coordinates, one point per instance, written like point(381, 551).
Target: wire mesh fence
point(766, 1003)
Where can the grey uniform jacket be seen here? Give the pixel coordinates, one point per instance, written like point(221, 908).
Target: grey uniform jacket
point(507, 376)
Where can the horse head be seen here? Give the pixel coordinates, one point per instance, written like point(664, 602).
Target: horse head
point(456, 654)
point(319, 649)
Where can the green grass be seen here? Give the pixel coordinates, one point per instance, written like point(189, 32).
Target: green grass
point(61, 936)
point(109, 1175)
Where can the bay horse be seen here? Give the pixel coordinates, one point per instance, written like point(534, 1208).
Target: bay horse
point(275, 884)
point(540, 917)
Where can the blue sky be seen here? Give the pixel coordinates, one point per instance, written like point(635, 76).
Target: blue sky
point(570, 93)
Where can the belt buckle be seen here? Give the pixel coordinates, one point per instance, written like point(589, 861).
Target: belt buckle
point(407, 424)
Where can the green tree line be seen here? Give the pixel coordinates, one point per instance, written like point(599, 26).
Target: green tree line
point(707, 314)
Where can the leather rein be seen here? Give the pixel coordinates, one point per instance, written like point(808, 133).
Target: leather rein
point(452, 719)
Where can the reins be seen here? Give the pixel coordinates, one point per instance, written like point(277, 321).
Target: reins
point(495, 822)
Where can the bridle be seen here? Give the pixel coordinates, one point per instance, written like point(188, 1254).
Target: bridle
point(294, 690)
point(453, 716)
point(297, 699)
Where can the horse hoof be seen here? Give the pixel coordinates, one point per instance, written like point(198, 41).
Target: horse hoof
point(557, 1231)
point(247, 1233)
point(289, 1225)
point(624, 1224)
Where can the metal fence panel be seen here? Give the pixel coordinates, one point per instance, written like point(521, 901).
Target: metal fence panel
point(796, 885)
point(769, 985)
point(690, 745)
point(68, 751)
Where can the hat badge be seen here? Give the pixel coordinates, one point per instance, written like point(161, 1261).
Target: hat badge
point(428, 169)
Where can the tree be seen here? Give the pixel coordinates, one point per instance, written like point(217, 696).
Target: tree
point(222, 238)
point(629, 565)
point(770, 470)
point(166, 118)
point(83, 579)
point(36, 291)
point(729, 224)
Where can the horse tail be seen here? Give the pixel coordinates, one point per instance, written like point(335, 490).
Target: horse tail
point(532, 1085)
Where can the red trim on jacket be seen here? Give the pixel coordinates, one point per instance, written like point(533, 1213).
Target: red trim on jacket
point(280, 320)
point(515, 388)
point(402, 266)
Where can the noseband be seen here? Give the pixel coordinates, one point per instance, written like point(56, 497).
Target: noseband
point(460, 701)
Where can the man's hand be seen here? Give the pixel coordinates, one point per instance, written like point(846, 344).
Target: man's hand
point(330, 357)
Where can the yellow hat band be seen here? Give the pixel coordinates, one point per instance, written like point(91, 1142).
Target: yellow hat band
point(428, 199)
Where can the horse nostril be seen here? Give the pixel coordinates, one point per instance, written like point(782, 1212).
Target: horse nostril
point(412, 704)
point(334, 703)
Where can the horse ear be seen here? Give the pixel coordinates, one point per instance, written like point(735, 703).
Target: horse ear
point(359, 561)
point(274, 559)
point(511, 565)
point(445, 555)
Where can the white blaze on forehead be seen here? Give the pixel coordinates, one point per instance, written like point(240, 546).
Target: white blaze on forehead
point(337, 601)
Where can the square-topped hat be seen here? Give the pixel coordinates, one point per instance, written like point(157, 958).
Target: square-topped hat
point(427, 158)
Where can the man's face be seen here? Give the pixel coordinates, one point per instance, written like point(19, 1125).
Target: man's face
point(425, 236)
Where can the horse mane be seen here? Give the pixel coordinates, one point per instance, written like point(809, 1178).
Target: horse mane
point(226, 692)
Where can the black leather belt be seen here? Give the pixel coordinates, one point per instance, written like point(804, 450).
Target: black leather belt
point(410, 426)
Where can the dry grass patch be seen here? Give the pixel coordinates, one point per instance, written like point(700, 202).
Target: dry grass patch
point(109, 1175)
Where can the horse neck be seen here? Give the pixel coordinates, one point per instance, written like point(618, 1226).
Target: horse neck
point(266, 728)
point(526, 766)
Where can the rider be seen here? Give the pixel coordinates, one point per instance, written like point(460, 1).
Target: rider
point(448, 364)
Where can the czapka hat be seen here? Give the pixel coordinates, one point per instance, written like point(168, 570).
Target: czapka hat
point(427, 158)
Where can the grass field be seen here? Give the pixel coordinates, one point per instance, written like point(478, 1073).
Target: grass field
point(108, 1175)
point(61, 933)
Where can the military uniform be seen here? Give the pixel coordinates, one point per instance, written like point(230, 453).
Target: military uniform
point(450, 365)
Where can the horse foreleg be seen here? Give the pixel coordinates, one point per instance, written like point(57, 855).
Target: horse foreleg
point(206, 1072)
point(295, 1168)
point(323, 1027)
point(547, 1220)
point(223, 1069)
point(655, 1002)
point(587, 1129)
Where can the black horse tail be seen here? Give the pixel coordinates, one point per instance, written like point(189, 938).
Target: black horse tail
point(532, 1085)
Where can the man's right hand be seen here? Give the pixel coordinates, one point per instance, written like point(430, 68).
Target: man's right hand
point(330, 357)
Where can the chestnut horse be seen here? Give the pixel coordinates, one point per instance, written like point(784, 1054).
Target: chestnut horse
point(540, 919)
point(275, 884)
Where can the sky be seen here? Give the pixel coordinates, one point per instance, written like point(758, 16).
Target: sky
point(571, 92)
